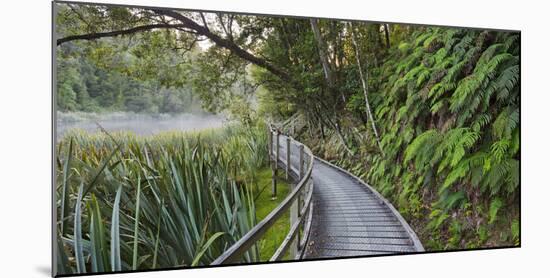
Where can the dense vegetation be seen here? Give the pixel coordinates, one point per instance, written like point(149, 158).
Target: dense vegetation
point(429, 116)
point(447, 107)
point(128, 202)
point(83, 85)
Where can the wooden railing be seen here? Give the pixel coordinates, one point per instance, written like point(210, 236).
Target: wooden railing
point(298, 202)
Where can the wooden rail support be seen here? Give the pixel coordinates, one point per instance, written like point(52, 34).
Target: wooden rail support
point(276, 146)
point(301, 161)
point(287, 158)
point(294, 218)
point(301, 174)
point(296, 205)
point(270, 145)
point(274, 169)
point(273, 181)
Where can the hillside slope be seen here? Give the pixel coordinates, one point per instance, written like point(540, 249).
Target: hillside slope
point(446, 102)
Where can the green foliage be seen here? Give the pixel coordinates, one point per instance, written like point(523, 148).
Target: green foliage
point(445, 102)
point(85, 85)
point(172, 199)
point(448, 114)
point(467, 144)
point(515, 231)
point(78, 245)
point(116, 264)
point(495, 206)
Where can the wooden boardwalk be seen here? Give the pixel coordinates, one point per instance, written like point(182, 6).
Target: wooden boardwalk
point(349, 217)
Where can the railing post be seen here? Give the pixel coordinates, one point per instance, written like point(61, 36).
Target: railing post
point(273, 181)
point(270, 145)
point(304, 164)
point(276, 148)
point(294, 217)
point(274, 169)
point(300, 201)
point(301, 161)
point(287, 158)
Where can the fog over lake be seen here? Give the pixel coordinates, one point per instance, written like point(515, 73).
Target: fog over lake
point(140, 124)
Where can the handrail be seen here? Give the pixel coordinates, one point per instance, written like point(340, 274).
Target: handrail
point(292, 201)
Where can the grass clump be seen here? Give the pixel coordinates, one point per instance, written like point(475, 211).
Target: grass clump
point(127, 202)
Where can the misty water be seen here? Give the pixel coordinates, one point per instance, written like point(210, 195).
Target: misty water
point(140, 124)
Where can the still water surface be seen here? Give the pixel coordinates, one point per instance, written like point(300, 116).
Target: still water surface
point(140, 124)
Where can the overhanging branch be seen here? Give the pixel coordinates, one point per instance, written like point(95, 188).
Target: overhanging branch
point(95, 36)
point(230, 45)
point(198, 30)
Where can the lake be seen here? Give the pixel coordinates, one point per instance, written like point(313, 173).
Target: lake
point(140, 124)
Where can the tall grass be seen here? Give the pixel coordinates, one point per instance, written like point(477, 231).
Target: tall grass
point(126, 202)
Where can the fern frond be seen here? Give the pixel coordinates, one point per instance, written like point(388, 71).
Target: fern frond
point(422, 147)
point(512, 179)
point(454, 145)
point(495, 206)
point(490, 52)
point(436, 107)
point(481, 121)
point(506, 82)
point(511, 42)
point(505, 123)
point(499, 149)
point(496, 176)
point(453, 200)
point(422, 77)
point(457, 173)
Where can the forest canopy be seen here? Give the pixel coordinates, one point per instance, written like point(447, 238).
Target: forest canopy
point(429, 116)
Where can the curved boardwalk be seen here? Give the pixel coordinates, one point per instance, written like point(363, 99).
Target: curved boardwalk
point(349, 217)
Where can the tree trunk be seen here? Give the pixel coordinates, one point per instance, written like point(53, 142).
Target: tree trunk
point(387, 33)
point(364, 83)
point(341, 136)
point(323, 56)
point(322, 53)
point(322, 128)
